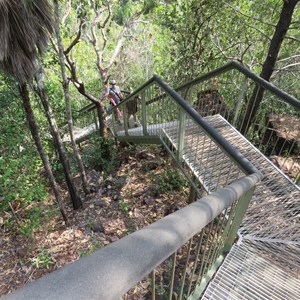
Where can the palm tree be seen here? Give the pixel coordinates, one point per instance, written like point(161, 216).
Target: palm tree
point(24, 31)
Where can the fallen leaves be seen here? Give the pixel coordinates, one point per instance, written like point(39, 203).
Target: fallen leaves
point(100, 222)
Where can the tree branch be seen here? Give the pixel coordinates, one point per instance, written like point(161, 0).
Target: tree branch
point(292, 38)
point(288, 66)
point(77, 38)
point(247, 16)
point(288, 58)
point(67, 12)
point(251, 26)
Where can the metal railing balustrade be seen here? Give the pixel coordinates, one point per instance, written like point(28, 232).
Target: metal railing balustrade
point(201, 128)
point(184, 247)
point(223, 97)
point(203, 155)
point(268, 117)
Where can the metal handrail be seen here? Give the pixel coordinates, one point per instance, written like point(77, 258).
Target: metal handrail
point(257, 79)
point(233, 65)
point(230, 66)
point(111, 271)
point(232, 152)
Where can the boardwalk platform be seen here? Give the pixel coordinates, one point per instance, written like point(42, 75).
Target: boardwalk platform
point(266, 260)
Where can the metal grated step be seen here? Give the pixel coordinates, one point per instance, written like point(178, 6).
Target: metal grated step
point(250, 273)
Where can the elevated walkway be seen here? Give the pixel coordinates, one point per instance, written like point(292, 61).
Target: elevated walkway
point(251, 215)
point(266, 260)
point(253, 272)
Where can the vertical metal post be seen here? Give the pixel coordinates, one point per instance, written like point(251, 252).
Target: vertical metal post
point(192, 195)
point(173, 276)
point(182, 123)
point(232, 227)
point(153, 289)
point(240, 100)
point(144, 113)
point(193, 191)
point(181, 134)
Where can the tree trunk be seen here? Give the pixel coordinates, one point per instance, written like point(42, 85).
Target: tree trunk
point(75, 198)
point(102, 122)
point(270, 61)
point(65, 84)
point(36, 137)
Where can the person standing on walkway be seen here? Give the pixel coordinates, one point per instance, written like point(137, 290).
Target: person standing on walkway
point(115, 96)
point(115, 92)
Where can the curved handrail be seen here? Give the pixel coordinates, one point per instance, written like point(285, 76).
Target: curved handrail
point(229, 66)
point(231, 151)
point(111, 271)
point(257, 79)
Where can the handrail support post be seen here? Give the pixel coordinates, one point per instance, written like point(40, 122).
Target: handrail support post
point(231, 230)
point(144, 113)
point(181, 134)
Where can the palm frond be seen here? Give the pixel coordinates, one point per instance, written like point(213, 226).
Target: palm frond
point(24, 32)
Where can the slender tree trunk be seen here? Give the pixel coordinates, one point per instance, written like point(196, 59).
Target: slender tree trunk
point(75, 198)
point(36, 137)
point(270, 61)
point(65, 84)
point(102, 122)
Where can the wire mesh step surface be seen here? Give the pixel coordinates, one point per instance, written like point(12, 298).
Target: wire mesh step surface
point(250, 272)
point(274, 211)
point(271, 220)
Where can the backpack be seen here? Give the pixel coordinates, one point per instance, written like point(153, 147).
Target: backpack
point(115, 96)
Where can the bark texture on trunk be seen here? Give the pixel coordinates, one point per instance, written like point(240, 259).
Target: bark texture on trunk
point(74, 195)
point(37, 140)
point(101, 117)
point(270, 61)
point(65, 85)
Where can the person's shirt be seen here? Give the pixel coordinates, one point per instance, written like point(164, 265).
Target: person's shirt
point(116, 89)
point(115, 92)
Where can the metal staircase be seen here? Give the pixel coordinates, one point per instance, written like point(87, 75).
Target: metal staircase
point(240, 241)
point(264, 264)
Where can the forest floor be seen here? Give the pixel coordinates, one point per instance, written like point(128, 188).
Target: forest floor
point(145, 187)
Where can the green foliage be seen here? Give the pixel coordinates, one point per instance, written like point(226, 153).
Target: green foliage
point(20, 179)
point(160, 290)
point(100, 155)
point(33, 221)
point(20, 166)
point(169, 180)
point(44, 259)
point(123, 206)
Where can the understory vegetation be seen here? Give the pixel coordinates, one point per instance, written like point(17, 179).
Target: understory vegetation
point(60, 200)
point(35, 240)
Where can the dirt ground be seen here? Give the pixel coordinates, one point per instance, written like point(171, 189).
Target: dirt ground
point(143, 189)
